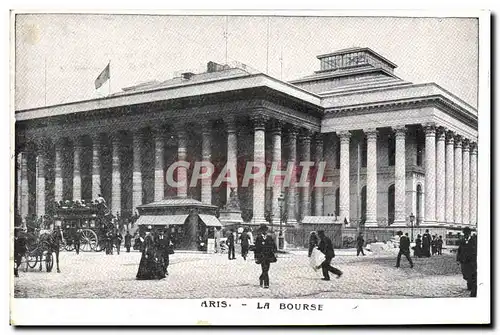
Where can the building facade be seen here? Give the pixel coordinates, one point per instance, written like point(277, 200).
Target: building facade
point(392, 148)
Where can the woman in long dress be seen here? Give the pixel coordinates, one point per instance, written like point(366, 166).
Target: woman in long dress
point(150, 266)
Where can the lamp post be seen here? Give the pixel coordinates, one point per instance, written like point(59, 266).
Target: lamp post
point(412, 220)
point(281, 240)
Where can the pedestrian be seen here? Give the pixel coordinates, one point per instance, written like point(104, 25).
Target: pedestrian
point(128, 241)
point(150, 266)
point(418, 247)
point(313, 242)
point(440, 245)
point(404, 249)
point(467, 257)
point(76, 240)
point(360, 242)
point(426, 244)
point(117, 240)
point(109, 242)
point(19, 249)
point(245, 243)
point(162, 243)
point(434, 245)
point(265, 249)
point(230, 244)
point(326, 247)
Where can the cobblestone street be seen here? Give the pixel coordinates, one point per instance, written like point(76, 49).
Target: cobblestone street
point(193, 275)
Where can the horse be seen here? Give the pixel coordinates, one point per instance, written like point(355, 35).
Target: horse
point(50, 242)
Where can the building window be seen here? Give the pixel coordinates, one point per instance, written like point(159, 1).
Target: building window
point(420, 152)
point(419, 204)
point(390, 205)
point(391, 150)
point(337, 202)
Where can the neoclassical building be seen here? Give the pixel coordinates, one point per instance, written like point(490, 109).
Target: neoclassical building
point(392, 148)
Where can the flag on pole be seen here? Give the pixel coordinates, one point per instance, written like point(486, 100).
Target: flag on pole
point(102, 78)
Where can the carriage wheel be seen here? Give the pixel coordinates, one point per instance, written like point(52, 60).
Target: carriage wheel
point(49, 261)
point(69, 247)
point(88, 240)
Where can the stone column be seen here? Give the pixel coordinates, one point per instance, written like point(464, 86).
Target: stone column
point(440, 176)
point(159, 177)
point(24, 211)
point(465, 182)
point(344, 191)
point(206, 154)
point(305, 192)
point(450, 178)
point(182, 156)
point(58, 177)
point(276, 162)
point(116, 194)
point(458, 179)
point(400, 177)
point(137, 137)
point(77, 176)
point(473, 184)
point(40, 180)
point(232, 154)
point(292, 189)
point(318, 191)
point(259, 156)
point(430, 174)
point(96, 165)
point(371, 177)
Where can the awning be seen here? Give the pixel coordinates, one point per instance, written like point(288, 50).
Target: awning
point(210, 220)
point(161, 220)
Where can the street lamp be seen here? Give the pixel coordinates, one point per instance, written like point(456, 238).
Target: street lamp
point(412, 220)
point(281, 240)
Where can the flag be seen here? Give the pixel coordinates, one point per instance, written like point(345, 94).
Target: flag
point(103, 77)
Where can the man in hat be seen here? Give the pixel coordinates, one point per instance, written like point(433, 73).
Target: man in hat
point(128, 241)
point(467, 257)
point(360, 242)
point(426, 244)
point(326, 247)
point(117, 240)
point(404, 249)
point(162, 243)
point(230, 244)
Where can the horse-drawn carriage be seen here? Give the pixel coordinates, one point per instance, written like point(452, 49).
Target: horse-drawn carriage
point(38, 246)
point(93, 224)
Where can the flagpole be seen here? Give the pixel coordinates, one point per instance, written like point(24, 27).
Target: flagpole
point(358, 186)
point(45, 80)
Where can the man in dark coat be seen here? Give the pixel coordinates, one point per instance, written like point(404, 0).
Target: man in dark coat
point(360, 242)
point(467, 257)
point(313, 242)
point(117, 240)
point(128, 241)
point(76, 240)
point(162, 243)
point(426, 244)
point(109, 242)
point(404, 249)
point(245, 243)
point(230, 244)
point(326, 247)
point(19, 249)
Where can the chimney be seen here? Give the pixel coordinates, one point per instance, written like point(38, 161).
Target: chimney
point(187, 75)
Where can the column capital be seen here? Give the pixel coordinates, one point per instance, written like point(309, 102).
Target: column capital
point(441, 133)
point(344, 136)
point(277, 126)
point(429, 129)
point(318, 138)
point(293, 132)
point(450, 137)
point(473, 148)
point(115, 136)
point(465, 144)
point(259, 121)
point(371, 133)
point(399, 131)
point(458, 141)
point(206, 127)
point(77, 141)
point(305, 135)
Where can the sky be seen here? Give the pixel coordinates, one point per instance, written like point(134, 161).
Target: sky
point(59, 56)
